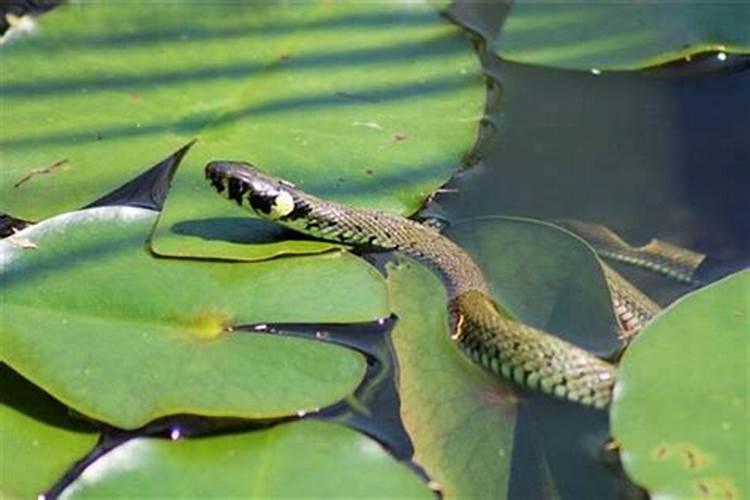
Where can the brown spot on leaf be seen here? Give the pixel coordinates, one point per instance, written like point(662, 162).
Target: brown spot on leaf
point(691, 460)
point(703, 489)
point(689, 455)
point(40, 171)
point(717, 487)
point(498, 394)
point(369, 171)
point(399, 137)
point(692, 456)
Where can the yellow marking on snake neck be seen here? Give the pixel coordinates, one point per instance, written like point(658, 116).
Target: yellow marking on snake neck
point(282, 205)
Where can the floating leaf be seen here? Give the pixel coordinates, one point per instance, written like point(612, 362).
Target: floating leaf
point(620, 35)
point(370, 103)
point(123, 337)
point(681, 407)
point(39, 440)
point(305, 459)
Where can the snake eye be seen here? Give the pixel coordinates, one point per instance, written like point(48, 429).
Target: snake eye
point(217, 181)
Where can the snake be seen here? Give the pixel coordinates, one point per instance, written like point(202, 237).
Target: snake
point(658, 256)
point(482, 329)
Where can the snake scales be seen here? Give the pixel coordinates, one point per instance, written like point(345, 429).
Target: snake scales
point(481, 328)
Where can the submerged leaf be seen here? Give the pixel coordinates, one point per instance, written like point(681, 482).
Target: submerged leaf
point(544, 276)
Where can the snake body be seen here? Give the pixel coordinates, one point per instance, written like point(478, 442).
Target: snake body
point(658, 256)
point(482, 329)
point(632, 308)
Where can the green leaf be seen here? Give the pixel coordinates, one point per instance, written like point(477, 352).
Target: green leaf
point(620, 35)
point(306, 459)
point(460, 419)
point(681, 410)
point(373, 103)
point(123, 337)
point(39, 441)
point(543, 275)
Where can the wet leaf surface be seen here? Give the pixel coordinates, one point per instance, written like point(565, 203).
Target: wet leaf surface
point(90, 316)
point(304, 459)
point(681, 407)
point(620, 35)
point(314, 91)
point(38, 441)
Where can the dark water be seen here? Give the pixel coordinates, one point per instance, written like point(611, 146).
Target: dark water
point(646, 153)
point(659, 153)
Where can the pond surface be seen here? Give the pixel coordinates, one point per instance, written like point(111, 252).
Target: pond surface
point(660, 153)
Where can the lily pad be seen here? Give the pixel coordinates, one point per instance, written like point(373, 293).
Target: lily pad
point(460, 419)
point(617, 35)
point(543, 275)
point(370, 103)
point(304, 459)
point(120, 336)
point(681, 407)
point(39, 440)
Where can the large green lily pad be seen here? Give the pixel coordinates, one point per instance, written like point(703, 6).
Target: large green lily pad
point(681, 410)
point(373, 103)
point(612, 34)
point(121, 336)
point(38, 441)
point(305, 459)
point(461, 419)
point(543, 275)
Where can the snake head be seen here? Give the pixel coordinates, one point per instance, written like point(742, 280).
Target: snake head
point(268, 196)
